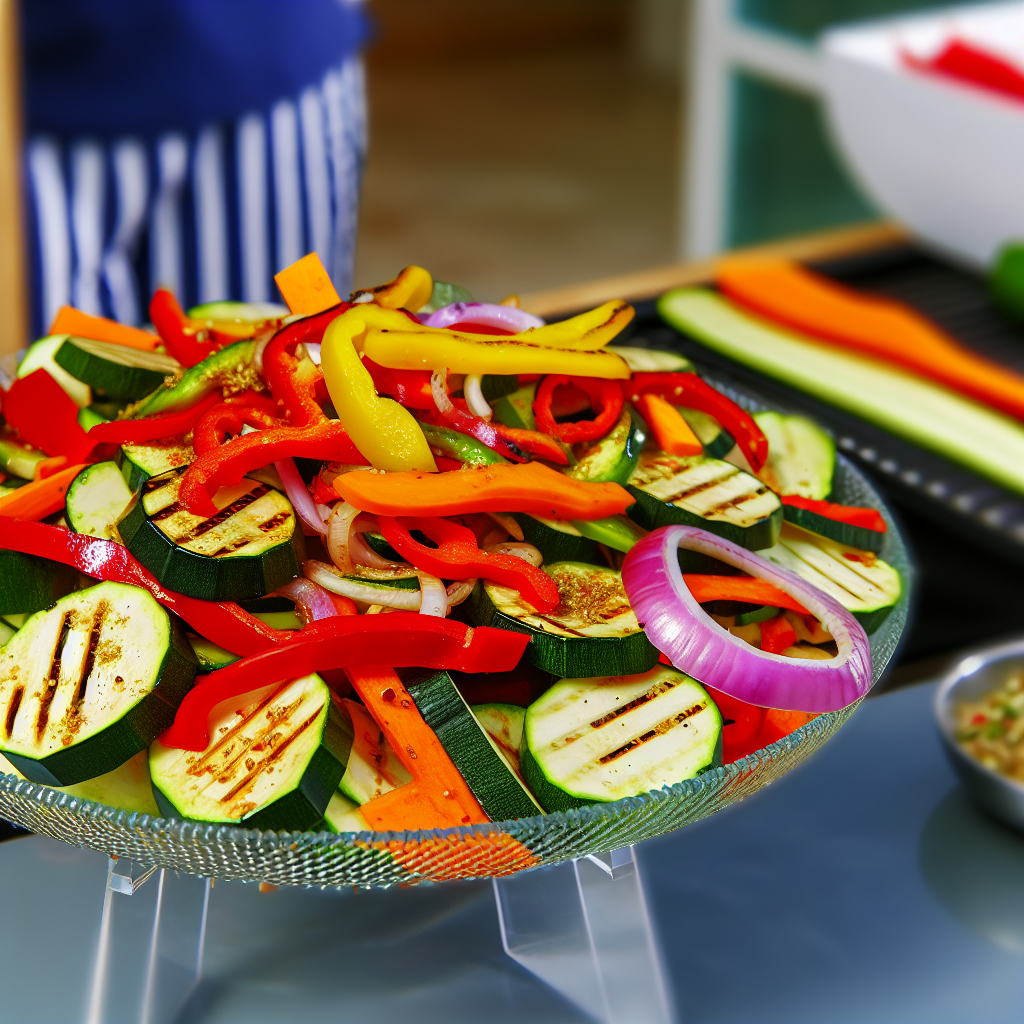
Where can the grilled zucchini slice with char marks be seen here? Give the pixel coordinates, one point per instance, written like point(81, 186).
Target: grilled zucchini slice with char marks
point(250, 547)
point(139, 462)
point(273, 765)
point(709, 493)
point(592, 740)
point(88, 684)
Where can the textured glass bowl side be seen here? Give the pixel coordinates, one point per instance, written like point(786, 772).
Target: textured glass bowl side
point(363, 859)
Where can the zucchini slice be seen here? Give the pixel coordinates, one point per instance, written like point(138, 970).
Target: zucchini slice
point(801, 456)
point(96, 501)
point(29, 583)
point(250, 547)
point(114, 372)
point(141, 461)
point(614, 457)
point(593, 631)
point(717, 441)
point(243, 312)
point(494, 782)
point(272, 765)
point(373, 767)
point(88, 684)
point(591, 740)
point(619, 533)
point(557, 540)
point(516, 409)
point(342, 815)
point(504, 724)
point(845, 533)
point(709, 493)
point(6, 632)
point(40, 356)
point(652, 360)
point(208, 654)
point(857, 579)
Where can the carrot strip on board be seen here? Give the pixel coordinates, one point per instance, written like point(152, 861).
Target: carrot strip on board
point(98, 328)
point(792, 295)
point(671, 431)
point(748, 589)
point(306, 286)
point(532, 487)
point(40, 498)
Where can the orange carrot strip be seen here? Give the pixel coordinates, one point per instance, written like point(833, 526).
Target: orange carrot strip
point(795, 296)
point(98, 328)
point(40, 498)
point(748, 589)
point(671, 431)
point(306, 287)
point(47, 467)
point(533, 488)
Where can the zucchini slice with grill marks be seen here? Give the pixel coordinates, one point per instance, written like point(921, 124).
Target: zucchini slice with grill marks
point(96, 501)
point(273, 765)
point(139, 462)
point(250, 547)
point(373, 768)
point(88, 684)
point(115, 372)
point(845, 533)
point(504, 724)
point(343, 815)
point(494, 782)
point(709, 493)
point(593, 631)
point(593, 740)
point(859, 580)
point(801, 456)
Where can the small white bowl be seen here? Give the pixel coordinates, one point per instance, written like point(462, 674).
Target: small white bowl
point(944, 157)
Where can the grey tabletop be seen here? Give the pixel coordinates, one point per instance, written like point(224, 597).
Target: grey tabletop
point(860, 888)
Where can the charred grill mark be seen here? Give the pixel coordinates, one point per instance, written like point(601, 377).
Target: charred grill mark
point(274, 522)
point(731, 503)
point(154, 483)
point(228, 549)
point(12, 711)
point(53, 677)
point(90, 659)
point(559, 625)
point(655, 691)
point(659, 729)
point(166, 512)
point(699, 488)
point(204, 762)
point(224, 514)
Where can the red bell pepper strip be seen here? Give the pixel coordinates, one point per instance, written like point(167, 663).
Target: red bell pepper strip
point(777, 634)
point(229, 418)
point(687, 389)
point(327, 441)
point(457, 557)
point(605, 399)
point(410, 388)
point(183, 341)
point(473, 328)
point(292, 381)
point(404, 638)
point(533, 442)
point(741, 727)
point(781, 723)
point(868, 518)
point(967, 63)
point(486, 433)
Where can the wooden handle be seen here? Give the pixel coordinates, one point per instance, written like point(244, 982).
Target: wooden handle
point(13, 279)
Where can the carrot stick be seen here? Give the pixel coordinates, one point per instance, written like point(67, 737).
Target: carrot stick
point(306, 287)
point(98, 328)
point(671, 431)
point(748, 589)
point(533, 488)
point(40, 498)
point(797, 297)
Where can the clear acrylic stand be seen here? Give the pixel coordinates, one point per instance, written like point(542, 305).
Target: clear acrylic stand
point(583, 928)
point(149, 954)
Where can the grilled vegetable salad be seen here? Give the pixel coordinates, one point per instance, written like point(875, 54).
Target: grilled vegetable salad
point(400, 562)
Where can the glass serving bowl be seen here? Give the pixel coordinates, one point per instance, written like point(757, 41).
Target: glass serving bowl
point(496, 848)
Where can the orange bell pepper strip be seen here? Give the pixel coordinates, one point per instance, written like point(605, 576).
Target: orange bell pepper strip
point(792, 295)
point(671, 431)
point(748, 589)
point(438, 796)
point(98, 328)
point(306, 287)
point(40, 498)
point(777, 634)
point(533, 488)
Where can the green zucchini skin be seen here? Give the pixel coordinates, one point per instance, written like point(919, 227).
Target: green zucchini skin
point(114, 373)
point(492, 780)
point(229, 578)
point(846, 533)
point(652, 513)
point(30, 584)
point(120, 740)
point(614, 457)
point(231, 366)
point(139, 462)
point(555, 545)
point(515, 409)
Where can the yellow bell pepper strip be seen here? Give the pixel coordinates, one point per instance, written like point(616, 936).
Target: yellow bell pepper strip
point(586, 332)
point(411, 290)
point(306, 286)
point(386, 434)
point(672, 433)
point(533, 488)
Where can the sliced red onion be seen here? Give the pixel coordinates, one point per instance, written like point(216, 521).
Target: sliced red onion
point(459, 591)
point(312, 602)
point(475, 396)
point(489, 313)
point(677, 625)
point(313, 351)
point(298, 494)
point(330, 579)
point(518, 548)
point(433, 596)
point(339, 527)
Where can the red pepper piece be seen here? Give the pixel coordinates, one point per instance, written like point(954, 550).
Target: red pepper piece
point(405, 638)
point(410, 388)
point(457, 557)
point(486, 433)
point(188, 345)
point(327, 441)
point(869, 518)
point(689, 390)
point(605, 398)
point(781, 723)
point(961, 60)
point(742, 725)
point(474, 328)
point(292, 381)
point(777, 634)
point(533, 442)
point(229, 418)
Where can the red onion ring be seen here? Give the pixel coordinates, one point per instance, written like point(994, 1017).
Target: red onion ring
point(433, 596)
point(312, 602)
point(677, 625)
point(489, 313)
point(299, 496)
